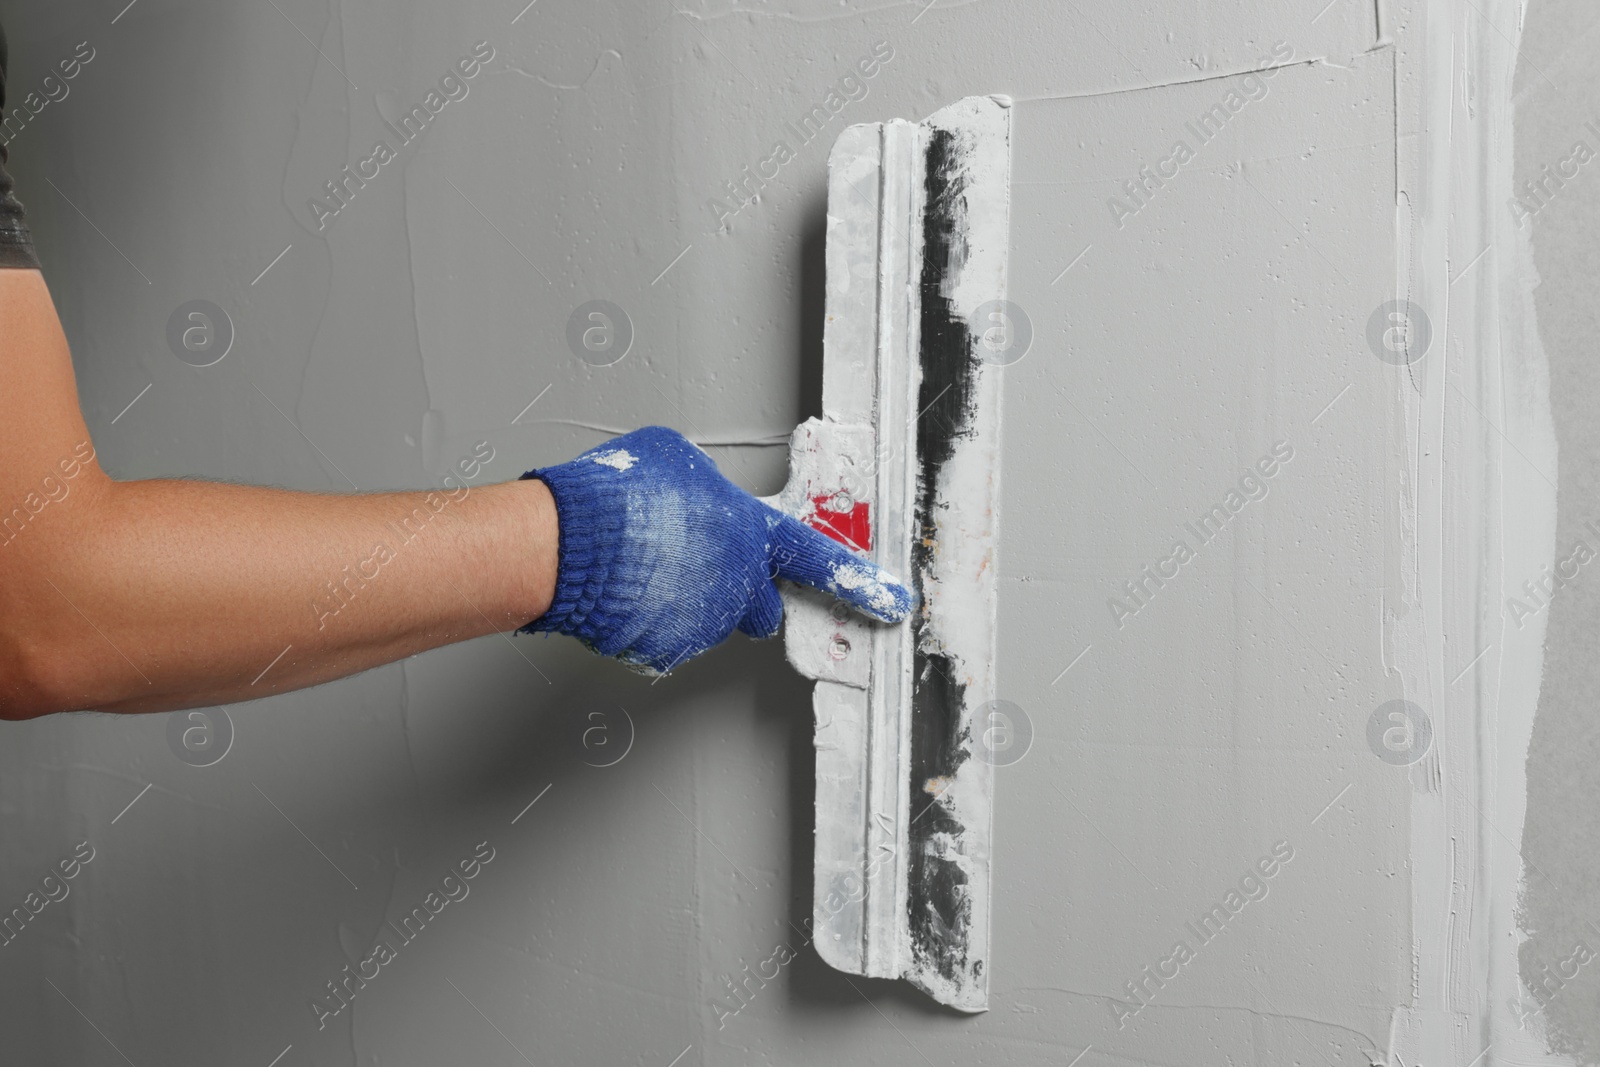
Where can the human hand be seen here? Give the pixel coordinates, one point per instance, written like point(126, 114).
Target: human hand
point(661, 557)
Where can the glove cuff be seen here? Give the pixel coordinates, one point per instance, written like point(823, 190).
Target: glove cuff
point(594, 590)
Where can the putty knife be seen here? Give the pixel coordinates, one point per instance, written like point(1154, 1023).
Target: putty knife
point(904, 466)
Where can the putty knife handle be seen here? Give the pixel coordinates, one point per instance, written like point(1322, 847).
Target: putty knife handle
point(828, 491)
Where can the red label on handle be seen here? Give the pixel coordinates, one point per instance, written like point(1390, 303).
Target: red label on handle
point(851, 527)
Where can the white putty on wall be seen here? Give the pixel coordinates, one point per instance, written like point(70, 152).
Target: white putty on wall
point(1477, 510)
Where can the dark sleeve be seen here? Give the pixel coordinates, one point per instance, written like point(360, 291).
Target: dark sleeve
point(16, 245)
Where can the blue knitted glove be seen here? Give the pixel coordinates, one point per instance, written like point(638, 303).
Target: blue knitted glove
point(661, 556)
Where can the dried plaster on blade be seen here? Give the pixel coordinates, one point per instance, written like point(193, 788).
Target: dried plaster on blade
point(965, 238)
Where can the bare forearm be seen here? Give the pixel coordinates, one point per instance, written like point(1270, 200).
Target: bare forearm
point(156, 595)
point(149, 595)
point(153, 595)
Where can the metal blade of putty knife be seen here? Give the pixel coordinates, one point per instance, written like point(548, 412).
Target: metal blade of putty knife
point(903, 465)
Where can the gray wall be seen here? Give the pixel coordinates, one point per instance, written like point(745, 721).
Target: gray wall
point(1226, 718)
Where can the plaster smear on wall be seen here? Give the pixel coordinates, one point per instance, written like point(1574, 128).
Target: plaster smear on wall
point(1479, 492)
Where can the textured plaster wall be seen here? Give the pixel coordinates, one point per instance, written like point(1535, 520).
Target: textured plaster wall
point(1180, 750)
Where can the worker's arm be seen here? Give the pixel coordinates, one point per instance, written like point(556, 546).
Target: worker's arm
point(160, 594)
point(148, 595)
